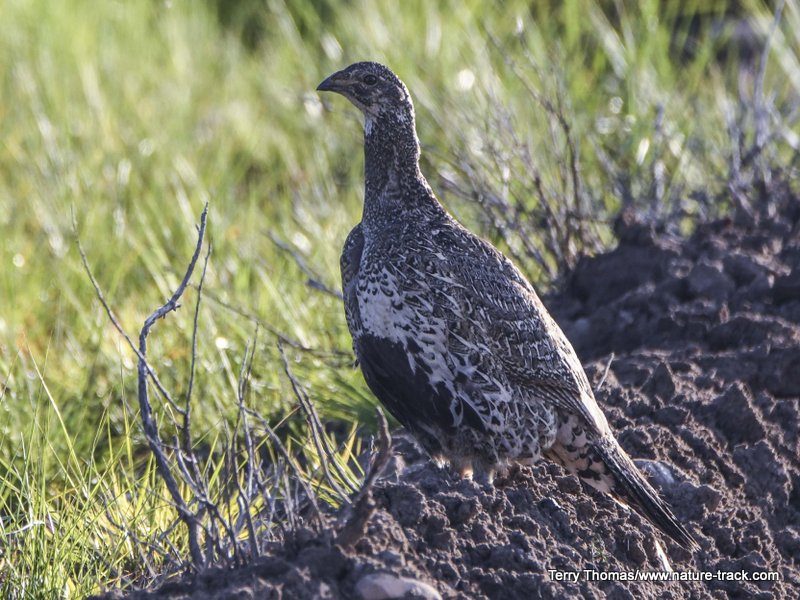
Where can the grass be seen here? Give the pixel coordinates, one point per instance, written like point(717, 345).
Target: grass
point(128, 117)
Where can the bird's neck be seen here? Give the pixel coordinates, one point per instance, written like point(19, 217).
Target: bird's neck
point(394, 184)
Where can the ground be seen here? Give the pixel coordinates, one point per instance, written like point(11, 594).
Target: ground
point(693, 345)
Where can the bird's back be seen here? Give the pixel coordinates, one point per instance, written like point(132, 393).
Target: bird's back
point(455, 342)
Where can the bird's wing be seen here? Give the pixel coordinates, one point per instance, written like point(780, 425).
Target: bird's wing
point(501, 305)
point(412, 397)
point(349, 264)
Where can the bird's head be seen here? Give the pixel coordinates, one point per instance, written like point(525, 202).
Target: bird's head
point(373, 88)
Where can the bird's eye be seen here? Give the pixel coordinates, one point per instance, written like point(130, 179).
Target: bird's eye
point(370, 79)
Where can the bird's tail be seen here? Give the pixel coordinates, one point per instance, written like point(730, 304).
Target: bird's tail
point(605, 466)
point(629, 485)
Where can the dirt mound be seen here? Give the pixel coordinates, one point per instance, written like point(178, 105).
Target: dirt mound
point(703, 387)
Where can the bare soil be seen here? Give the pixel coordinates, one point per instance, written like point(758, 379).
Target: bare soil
point(703, 387)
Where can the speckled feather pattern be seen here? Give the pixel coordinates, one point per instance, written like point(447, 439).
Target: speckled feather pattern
point(450, 335)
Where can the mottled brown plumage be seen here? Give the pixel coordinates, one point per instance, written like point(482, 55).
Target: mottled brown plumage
point(451, 337)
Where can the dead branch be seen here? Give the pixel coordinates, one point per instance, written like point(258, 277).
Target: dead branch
point(148, 422)
point(144, 372)
point(280, 336)
point(214, 529)
point(244, 495)
point(314, 280)
point(115, 322)
point(363, 505)
point(291, 463)
point(186, 433)
point(189, 518)
point(318, 436)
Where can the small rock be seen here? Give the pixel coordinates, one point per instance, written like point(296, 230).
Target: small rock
point(788, 541)
point(742, 268)
point(724, 540)
point(787, 288)
point(569, 484)
point(736, 417)
point(671, 416)
point(747, 330)
point(549, 504)
point(384, 586)
point(660, 383)
point(765, 474)
point(631, 228)
point(406, 504)
point(781, 372)
point(391, 558)
point(634, 549)
point(707, 281)
point(707, 496)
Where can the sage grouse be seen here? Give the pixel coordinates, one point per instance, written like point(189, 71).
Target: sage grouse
point(451, 337)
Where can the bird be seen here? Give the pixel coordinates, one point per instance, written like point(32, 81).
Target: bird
point(452, 338)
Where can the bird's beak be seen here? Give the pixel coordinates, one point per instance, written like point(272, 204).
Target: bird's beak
point(335, 83)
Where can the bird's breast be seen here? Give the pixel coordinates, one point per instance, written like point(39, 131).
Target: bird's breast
point(392, 309)
point(403, 312)
point(384, 311)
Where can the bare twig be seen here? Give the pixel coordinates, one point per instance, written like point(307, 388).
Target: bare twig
point(279, 335)
point(115, 322)
point(215, 526)
point(318, 436)
point(605, 371)
point(149, 423)
point(144, 372)
point(539, 219)
point(363, 506)
point(763, 137)
point(311, 497)
point(139, 545)
point(187, 407)
point(314, 280)
point(383, 456)
point(243, 498)
point(761, 116)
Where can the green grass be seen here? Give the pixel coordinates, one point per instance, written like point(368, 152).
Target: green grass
point(132, 115)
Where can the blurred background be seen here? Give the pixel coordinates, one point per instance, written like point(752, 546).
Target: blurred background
point(539, 122)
